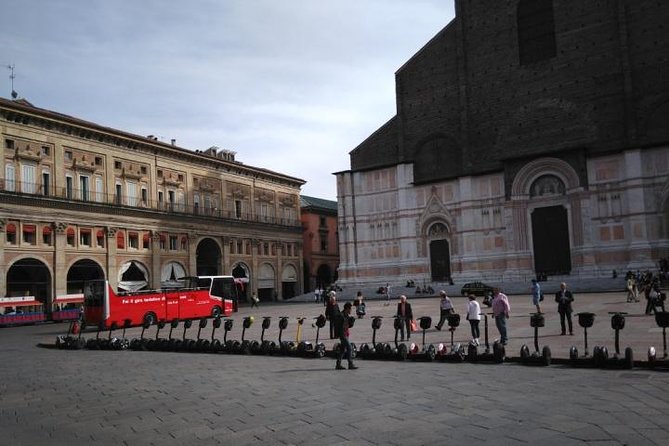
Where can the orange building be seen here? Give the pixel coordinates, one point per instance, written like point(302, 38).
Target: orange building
point(321, 244)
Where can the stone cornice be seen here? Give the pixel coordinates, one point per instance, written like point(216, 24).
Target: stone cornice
point(68, 126)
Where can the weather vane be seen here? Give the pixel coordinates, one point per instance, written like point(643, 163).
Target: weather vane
point(12, 77)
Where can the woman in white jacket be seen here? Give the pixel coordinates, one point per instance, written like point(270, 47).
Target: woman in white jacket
point(474, 317)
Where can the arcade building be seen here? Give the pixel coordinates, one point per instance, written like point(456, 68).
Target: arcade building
point(531, 138)
point(81, 201)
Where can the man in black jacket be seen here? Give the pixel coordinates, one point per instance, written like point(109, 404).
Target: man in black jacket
point(343, 321)
point(404, 312)
point(564, 298)
point(331, 312)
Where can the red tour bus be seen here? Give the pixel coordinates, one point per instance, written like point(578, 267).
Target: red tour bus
point(203, 296)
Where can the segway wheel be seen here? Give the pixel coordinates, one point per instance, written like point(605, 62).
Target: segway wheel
point(573, 353)
point(629, 358)
point(524, 353)
point(431, 352)
point(498, 352)
point(387, 350)
point(402, 352)
point(320, 350)
point(546, 355)
point(472, 353)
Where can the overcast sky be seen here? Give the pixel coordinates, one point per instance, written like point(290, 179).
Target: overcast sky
point(290, 85)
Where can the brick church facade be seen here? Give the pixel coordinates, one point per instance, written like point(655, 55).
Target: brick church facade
point(530, 137)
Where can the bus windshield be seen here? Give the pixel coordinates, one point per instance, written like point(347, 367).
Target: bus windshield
point(94, 293)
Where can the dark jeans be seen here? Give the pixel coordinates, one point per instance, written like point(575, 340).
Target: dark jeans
point(476, 333)
point(442, 318)
point(344, 350)
point(500, 321)
point(567, 315)
point(407, 325)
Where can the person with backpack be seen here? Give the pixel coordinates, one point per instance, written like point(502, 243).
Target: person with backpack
point(344, 321)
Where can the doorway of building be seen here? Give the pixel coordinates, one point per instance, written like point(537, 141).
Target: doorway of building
point(550, 233)
point(30, 277)
point(80, 272)
point(440, 260)
point(208, 255)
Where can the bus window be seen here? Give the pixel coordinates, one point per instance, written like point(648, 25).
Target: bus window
point(94, 292)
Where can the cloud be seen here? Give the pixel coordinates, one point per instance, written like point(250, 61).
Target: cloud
point(291, 85)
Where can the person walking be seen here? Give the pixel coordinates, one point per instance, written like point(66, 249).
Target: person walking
point(406, 315)
point(536, 294)
point(474, 318)
point(343, 322)
point(387, 290)
point(359, 304)
point(254, 300)
point(331, 312)
point(500, 311)
point(564, 298)
point(445, 308)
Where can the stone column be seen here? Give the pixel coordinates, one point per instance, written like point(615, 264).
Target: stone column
point(156, 266)
point(112, 267)
point(3, 265)
point(226, 268)
point(279, 273)
point(253, 280)
point(192, 254)
point(59, 260)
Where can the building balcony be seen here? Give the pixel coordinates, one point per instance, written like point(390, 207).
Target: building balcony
point(32, 194)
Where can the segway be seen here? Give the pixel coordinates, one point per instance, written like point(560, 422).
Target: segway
point(244, 347)
point(585, 320)
point(115, 343)
point(122, 343)
point(315, 349)
point(263, 347)
point(96, 343)
point(457, 352)
point(202, 344)
point(155, 343)
point(601, 354)
point(286, 348)
point(426, 353)
point(69, 341)
point(186, 343)
point(536, 358)
point(215, 345)
point(139, 344)
point(662, 320)
point(374, 350)
point(400, 351)
point(172, 344)
point(496, 355)
point(229, 345)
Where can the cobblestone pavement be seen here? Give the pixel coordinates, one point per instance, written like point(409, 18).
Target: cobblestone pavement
point(56, 397)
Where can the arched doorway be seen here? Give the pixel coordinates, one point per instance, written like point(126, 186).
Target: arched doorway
point(81, 271)
point(288, 282)
point(266, 280)
point(208, 258)
point(323, 276)
point(550, 228)
point(240, 272)
point(440, 253)
point(29, 277)
point(132, 276)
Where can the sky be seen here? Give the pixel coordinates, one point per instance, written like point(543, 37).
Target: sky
point(289, 85)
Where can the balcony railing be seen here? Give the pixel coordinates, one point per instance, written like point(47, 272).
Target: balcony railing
point(128, 202)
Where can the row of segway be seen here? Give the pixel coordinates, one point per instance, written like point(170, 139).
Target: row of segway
point(456, 352)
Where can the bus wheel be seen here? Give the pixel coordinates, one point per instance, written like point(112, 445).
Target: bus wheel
point(216, 312)
point(149, 319)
